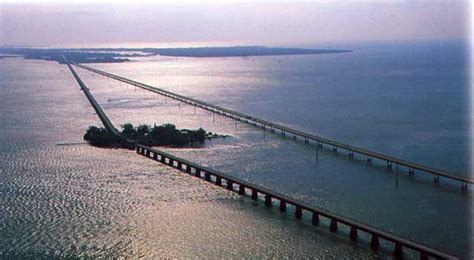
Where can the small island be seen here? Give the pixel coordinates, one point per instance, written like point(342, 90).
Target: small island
point(163, 135)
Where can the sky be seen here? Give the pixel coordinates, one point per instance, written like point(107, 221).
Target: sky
point(215, 23)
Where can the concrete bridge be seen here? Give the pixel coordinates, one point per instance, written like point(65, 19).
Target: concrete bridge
point(307, 137)
point(257, 192)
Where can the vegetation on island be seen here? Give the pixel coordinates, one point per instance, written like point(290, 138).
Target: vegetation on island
point(163, 135)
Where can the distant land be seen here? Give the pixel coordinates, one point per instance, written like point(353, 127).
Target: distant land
point(112, 55)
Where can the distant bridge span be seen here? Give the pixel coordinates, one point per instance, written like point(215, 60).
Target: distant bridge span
point(411, 166)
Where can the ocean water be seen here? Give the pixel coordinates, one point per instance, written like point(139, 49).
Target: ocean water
point(61, 197)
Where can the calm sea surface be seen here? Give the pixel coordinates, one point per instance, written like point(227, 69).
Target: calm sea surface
point(61, 197)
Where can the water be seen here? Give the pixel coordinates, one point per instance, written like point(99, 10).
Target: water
point(76, 200)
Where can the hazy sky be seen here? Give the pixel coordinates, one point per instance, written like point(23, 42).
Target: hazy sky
point(263, 22)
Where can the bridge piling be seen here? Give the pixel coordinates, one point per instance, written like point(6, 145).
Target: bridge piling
point(282, 205)
point(374, 241)
point(268, 200)
point(241, 190)
point(230, 185)
point(298, 212)
point(333, 226)
point(353, 234)
point(315, 218)
point(254, 194)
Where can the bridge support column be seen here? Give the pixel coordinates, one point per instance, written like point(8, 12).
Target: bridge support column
point(268, 200)
point(162, 159)
point(351, 155)
point(282, 206)
point(230, 185)
point(423, 256)
point(334, 149)
point(353, 234)
point(147, 153)
point(389, 165)
point(369, 160)
point(306, 141)
point(436, 179)
point(179, 166)
point(398, 250)
point(463, 185)
point(241, 190)
point(298, 212)
point(197, 172)
point(137, 149)
point(254, 195)
point(374, 242)
point(218, 181)
point(294, 137)
point(188, 169)
point(333, 226)
point(315, 218)
point(411, 172)
point(207, 176)
point(155, 156)
point(170, 162)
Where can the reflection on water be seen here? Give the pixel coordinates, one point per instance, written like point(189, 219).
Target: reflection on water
point(78, 200)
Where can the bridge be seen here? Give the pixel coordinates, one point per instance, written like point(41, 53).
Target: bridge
point(258, 193)
point(264, 124)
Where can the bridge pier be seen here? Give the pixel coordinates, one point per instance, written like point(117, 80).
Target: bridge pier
point(155, 156)
point(423, 256)
point(369, 160)
point(230, 185)
point(389, 165)
point(241, 190)
point(333, 226)
point(254, 194)
point(351, 155)
point(298, 212)
point(463, 185)
point(374, 242)
point(188, 169)
point(436, 178)
point(207, 176)
point(162, 159)
point(334, 149)
point(315, 218)
point(282, 206)
point(411, 172)
point(398, 249)
point(179, 165)
point(218, 181)
point(268, 200)
point(197, 172)
point(170, 162)
point(353, 234)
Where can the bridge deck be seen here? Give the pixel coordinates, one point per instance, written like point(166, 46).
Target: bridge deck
point(254, 120)
point(424, 250)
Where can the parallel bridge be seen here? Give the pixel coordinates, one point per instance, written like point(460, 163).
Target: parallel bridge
point(264, 124)
point(257, 192)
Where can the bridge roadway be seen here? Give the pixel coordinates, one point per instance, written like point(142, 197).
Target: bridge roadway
point(425, 252)
point(411, 166)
